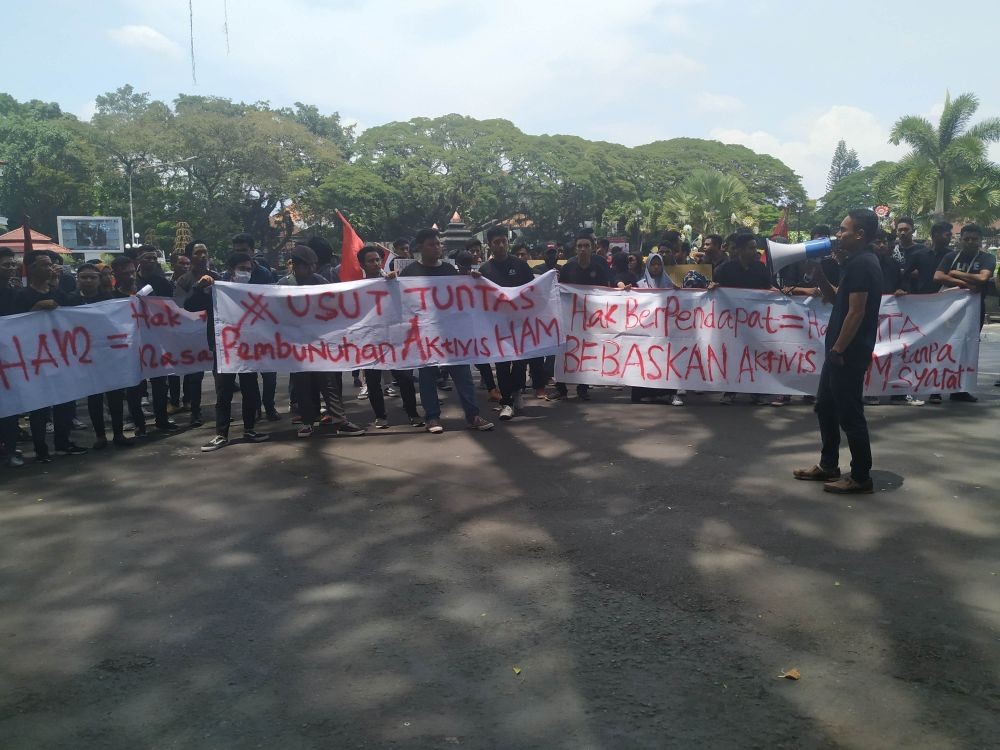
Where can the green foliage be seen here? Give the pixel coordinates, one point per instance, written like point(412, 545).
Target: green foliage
point(947, 172)
point(707, 200)
point(845, 162)
point(226, 167)
point(854, 191)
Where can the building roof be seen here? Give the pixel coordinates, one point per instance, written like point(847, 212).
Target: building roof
point(14, 239)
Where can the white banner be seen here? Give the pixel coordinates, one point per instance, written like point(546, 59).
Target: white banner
point(751, 341)
point(72, 352)
point(723, 340)
point(389, 324)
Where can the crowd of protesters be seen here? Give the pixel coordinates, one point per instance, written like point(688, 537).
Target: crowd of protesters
point(316, 399)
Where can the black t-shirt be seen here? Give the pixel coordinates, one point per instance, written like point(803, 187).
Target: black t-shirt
point(510, 271)
point(925, 262)
point(419, 269)
point(160, 285)
point(731, 273)
point(27, 298)
point(861, 273)
point(981, 261)
point(7, 295)
point(76, 299)
point(598, 273)
point(891, 273)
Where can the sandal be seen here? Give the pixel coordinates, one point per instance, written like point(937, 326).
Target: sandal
point(817, 474)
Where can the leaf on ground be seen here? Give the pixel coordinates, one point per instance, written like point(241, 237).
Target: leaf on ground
point(517, 670)
point(791, 674)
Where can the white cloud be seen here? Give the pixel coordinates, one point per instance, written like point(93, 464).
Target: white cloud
point(86, 110)
point(147, 39)
point(717, 103)
point(810, 150)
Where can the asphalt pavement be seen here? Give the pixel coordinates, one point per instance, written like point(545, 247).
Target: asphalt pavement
point(589, 575)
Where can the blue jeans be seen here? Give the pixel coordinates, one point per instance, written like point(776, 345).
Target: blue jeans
point(461, 375)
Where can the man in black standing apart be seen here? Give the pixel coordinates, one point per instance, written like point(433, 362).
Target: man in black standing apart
point(850, 341)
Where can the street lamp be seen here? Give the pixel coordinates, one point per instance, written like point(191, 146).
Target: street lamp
point(638, 229)
point(130, 171)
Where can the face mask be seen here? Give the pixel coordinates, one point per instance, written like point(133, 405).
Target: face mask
point(241, 277)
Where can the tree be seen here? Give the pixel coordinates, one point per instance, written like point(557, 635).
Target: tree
point(707, 200)
point(49, 164)
point(844, 163)
point(853, 191)
point(947, 169)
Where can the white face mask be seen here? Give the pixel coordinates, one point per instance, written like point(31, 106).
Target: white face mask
point(241, 277)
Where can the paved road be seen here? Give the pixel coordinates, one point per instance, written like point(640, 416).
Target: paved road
point(593, 575)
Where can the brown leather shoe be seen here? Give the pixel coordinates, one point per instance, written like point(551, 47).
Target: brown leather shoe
point(817, 474)
point(847, 486)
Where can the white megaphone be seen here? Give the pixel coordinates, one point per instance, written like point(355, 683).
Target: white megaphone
point(784, 255)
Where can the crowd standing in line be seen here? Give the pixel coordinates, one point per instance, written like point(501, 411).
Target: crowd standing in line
point(867, 264)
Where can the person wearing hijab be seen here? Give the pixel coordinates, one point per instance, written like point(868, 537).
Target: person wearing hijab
point(656, 276)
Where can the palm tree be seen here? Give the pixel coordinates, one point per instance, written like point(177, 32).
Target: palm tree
point(946, 163)
point(707, 199)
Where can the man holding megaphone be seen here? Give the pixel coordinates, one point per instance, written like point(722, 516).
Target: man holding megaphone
point(850, 341)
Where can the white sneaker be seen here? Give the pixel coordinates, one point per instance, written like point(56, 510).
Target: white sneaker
point(15, 461)
point(914, 401)
point(506, 412)
point(363, 393)
point(676, 401)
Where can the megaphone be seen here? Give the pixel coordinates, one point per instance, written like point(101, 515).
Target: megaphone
point(784, 255)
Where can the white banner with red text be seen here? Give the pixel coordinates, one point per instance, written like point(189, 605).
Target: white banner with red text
point(51, 357)
point(386, 324)
point(750, 341)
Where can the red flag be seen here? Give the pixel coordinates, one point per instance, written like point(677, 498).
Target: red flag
point(26, 227)
point(350, 268)
point(781, 230)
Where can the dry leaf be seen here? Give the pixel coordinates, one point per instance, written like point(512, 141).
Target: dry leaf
point(791, 674)
point(517, 670)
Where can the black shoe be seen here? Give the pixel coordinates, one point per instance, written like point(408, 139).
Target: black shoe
point(254, 437)
point(43, 459)
point(443, 385)
point(273, 416)
point(99, 444)
point(963, 396)
point(583, 394)
point(140, 431)
point(71, 450)
point(934, 398)
point(168, 426)
point(416, 422)
point(121, 441)
point(196, 421)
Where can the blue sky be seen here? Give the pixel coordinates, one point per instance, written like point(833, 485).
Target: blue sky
point(785, 78)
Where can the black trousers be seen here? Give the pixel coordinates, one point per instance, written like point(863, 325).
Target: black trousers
point(840, 406)
point(486, 373)
point(310, 387)
point(133, 397)
point(511, 377)
point(8, 434)
point(407, 391)
point(225, 388)
point(160, 397)
point(62, 423)
point(116, 407)
point(192, 392)
point(269, 386)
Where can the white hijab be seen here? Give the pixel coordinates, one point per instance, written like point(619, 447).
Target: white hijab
point(663, 282)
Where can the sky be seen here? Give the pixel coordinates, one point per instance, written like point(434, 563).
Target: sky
point(788, 79)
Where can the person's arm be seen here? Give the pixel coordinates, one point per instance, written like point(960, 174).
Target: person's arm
point(200, 298)
point(856, 302)
point(945, 277)
point(972, 279)
point(827, 290)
